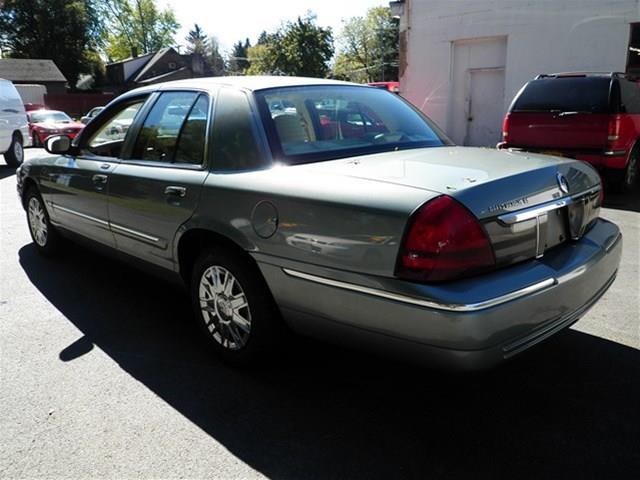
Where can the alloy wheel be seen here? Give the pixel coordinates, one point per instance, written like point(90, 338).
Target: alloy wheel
point(37, 221)
point(225, 308)
point(18, 151)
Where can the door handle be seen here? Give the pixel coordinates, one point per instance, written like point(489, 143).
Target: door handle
point(105, 166)
point(175, 191)
point(101, 179)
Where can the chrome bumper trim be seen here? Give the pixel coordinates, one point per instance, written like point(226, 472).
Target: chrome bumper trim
point(615, 153)
point(471, 307)
point(533, 212)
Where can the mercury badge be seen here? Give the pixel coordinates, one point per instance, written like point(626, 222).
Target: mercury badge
point(562, 183)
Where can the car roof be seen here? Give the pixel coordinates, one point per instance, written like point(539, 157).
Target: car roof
point(580, 74)
point(252, 83)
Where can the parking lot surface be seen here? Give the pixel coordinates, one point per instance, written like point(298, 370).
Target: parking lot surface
point(102, 376)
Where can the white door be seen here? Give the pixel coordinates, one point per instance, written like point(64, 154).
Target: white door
point(477, 83)
point(485, 105)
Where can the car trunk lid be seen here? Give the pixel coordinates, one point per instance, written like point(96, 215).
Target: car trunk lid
point(502, 189)
point(488, 181)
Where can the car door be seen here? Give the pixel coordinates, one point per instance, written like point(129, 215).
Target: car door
point(156, 187)
point(75, 187)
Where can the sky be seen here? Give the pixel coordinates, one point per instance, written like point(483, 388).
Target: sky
point(233, 20)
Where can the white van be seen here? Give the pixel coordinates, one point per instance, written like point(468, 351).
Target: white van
point(14, 127)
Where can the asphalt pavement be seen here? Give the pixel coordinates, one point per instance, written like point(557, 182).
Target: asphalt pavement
point(102, 376)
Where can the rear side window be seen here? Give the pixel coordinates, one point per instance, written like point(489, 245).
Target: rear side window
point(234, 138)
point(568, 94)
point(194, 131)
point(158, 137)
point(629, 96)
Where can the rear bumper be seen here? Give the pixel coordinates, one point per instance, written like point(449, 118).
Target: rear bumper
point(468, 324)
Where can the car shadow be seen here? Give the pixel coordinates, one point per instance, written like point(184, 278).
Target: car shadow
point(620, 201)
point(6, 171)
point(568, 408)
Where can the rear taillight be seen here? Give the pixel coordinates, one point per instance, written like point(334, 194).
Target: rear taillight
point(613, 134)
point(444, 241)
point(505, 128)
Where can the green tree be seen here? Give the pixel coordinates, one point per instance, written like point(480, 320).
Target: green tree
point(137, 25)
point(297, 48)
point(197, 41)
point(238, 60)
point(65, 31)
point(369, 47)
point(214, 58)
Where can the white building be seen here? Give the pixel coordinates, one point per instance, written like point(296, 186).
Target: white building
point(462, 61)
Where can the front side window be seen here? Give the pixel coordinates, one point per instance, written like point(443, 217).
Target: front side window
point(109, 137)
point(323, 122)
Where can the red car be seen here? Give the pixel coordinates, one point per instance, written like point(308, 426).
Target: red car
point(44, 123)
point(593, 117)
point(393, 87)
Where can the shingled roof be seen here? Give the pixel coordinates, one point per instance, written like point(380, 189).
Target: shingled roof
point(30, 70)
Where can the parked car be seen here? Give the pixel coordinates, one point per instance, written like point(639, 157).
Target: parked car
point(394, 239)
point(44, 123)
point(14, 128)
point(593, 117)
point(91, 114)
point(393, 87)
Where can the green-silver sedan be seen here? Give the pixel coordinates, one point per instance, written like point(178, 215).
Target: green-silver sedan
point(333, 210)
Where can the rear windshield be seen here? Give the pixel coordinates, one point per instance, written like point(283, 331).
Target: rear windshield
point(569, 94)
point(315, 123)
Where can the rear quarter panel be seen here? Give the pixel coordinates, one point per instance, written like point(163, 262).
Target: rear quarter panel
point(327, 220)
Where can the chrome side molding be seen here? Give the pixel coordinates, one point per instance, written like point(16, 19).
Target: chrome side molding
point(99, 221)
point(106, 224)
point(134, 233)
point(454, 307)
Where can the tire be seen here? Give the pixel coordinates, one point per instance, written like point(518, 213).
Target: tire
point(35, 141)
point(15, 155)
point(44, 235)
point(628, 179)
point(238, 334)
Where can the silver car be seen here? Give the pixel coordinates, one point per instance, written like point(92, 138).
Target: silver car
point(347, 215)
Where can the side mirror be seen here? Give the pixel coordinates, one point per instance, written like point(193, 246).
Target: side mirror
point(57, 144)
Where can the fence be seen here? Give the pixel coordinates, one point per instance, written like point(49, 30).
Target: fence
point(76, 104)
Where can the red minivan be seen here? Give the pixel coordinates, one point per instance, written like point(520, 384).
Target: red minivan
point(593, 117)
